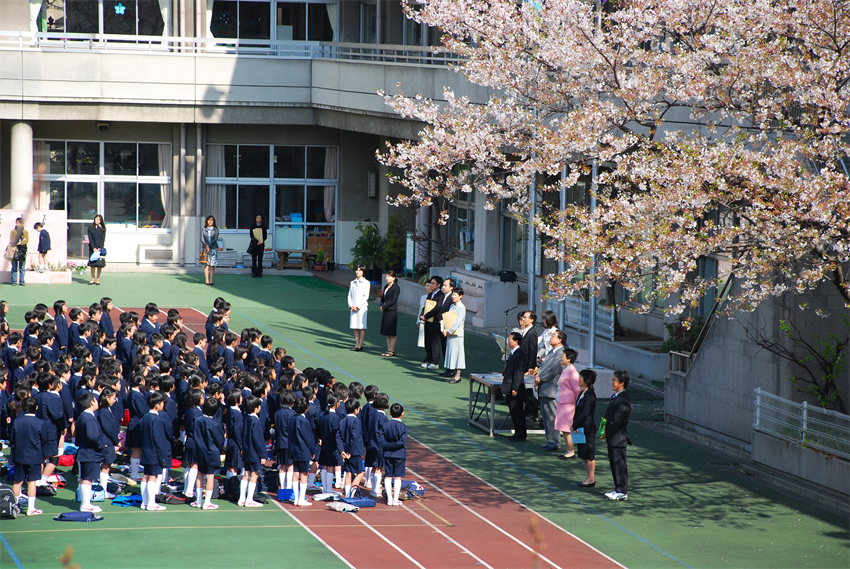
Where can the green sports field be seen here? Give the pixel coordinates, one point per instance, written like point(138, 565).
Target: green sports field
point(686, 507)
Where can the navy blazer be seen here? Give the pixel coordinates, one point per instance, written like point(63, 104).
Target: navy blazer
point(209, 440)
point(302, 443)
point(513, 377)
point(43, 241)
point(377, 420)
point(110, 426)
point(253, 445)
point(282, 419)
point(156, 448)
point(149, 328)
point(266, 356)
point(52, 411)
point(48, 355)
point(393, 438)
point(234, 423)
point(61, 330)
point(329, 432)
point(365, 411)
point(255, 352)
point(352, 435)
point(7, 356)
point(28, 437)
point(616, 429)
point(73, 335)
point(228, 357)
point(67, 400)
point(192, 415)
point(106, 325)
point(138, 408)
point(89, 439)
point(202, 360)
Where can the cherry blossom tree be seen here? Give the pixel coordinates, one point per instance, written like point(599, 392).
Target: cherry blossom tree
point(720, 127)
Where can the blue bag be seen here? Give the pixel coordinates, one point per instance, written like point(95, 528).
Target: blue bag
point(360, 501)
point(127, 501)
point(78, 517)
point(285, 495)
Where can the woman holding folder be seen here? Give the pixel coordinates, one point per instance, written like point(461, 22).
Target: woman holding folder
point(452, 326)
point(257, 247)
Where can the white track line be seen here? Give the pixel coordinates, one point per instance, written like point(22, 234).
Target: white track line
point(452, 540)
point(382, 536)
point(311, 532)
point(512, 499)
point(464, 506)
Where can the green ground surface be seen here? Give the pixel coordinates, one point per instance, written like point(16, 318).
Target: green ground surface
point(686, 507)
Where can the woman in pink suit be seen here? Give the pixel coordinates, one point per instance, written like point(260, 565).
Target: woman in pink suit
point(568, 392)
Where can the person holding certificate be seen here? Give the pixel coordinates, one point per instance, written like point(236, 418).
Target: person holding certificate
point(257, 246)
point(453, 321)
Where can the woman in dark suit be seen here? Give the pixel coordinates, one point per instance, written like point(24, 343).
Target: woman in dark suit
point(257, 246)
point(389, 313)
point(584, 418)
point(97, 240)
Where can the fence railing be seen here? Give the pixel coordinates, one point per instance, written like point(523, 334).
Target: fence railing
point(219, 47)
point(807, 425)
point(577, 316)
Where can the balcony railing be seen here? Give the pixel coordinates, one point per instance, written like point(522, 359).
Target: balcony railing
point(222, 47)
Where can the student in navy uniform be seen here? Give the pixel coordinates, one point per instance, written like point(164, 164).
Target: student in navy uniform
point(170, 415)
point(110, 425)
point(330, 457)
point(234, 423)
point(156, 451)
point(209, 438)
point(91, 451)
point(194, 400)
point(52, 412)
point(303, 446)
point(200, 350)
point(374, 451)
point(46, 341)
point(266, 345)
point(370, 393)
point(107, 348)
point(28, 438)
point(14, 343)
point(253, 453)
point(138, 409)
point(105, 324)
point(352, 446)
point(282, 419)
point(149, 325)
point(60, 312)
point(75, 318)
point(393, 439)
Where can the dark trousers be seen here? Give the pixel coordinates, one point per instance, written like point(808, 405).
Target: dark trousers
point(619, 469)
point(432, 343)
point(517, 407)
point(442, 344)
point(257, 263)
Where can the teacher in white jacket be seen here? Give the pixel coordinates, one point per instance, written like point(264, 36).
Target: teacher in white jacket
point(358, 303)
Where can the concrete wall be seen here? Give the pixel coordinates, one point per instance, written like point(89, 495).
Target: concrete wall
point(806, 464)
point(716, 396)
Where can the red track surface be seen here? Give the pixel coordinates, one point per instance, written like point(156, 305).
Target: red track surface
point(463, 522)
point(193, 319)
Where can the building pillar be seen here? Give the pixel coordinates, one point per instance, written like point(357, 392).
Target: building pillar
point(487, 234)
point(21, 170)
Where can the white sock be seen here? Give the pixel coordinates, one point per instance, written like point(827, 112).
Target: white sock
point(288, 481)
point(134, 467)
point(326, 481)
point(144, 484)
point(152, 493)
point(189, 483)
point(388, 483)
point(376, 485)
point(207, 497)
point(338, 477)
point(243, 490)
point(348, 490)
point(296, 492)
point(199, 489)
point(252, 487)
point(311, 479)
point(85, 496)
point(304, 493)
point(30, 503)
point(396, 490)
point(281, 479)
point(368, 475)
point(182, 436)
point(104, 478)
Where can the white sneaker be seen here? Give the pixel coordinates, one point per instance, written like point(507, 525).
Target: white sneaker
point(253, 504)
point(110, 496)
point(92, 509)
point(620, 496)
point(610, 495)
point(241, 503)
point(433, 366)
point(305, 503)
point(425, 365)
point(195, 504)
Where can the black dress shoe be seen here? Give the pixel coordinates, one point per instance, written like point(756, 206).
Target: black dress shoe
point(448, 373)
point(583, 485)
point(517, 439)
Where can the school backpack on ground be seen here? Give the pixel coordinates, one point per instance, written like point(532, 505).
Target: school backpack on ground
point(271, 480)
point(98, 494)
point(231, 489)
point(8, 503)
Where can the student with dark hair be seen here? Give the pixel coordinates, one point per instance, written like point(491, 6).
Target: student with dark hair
point(209, 439)
point(149, 325)
point(97, 240)
point(330, 457)
point(253, 453)
point(393, 438)
point(370, 392)
point(194, 400)
point(234, 423)
point(91, 451)
point(351, 432)
point(28, 438)
point(156, 451)
point(584, 419)
point(60, 311)
point(110, 425)
point(138, 409)
point(374, 451)
point(52, 412)
point(302, 443)
point(199, 350)
point(282, 419)
point(105, 323)
point(616, 435)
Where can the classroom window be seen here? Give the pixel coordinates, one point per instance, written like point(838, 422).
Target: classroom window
point(244, 19)
point(514, 241)
point(462, 223)
point(121, 17)
point(306, 21)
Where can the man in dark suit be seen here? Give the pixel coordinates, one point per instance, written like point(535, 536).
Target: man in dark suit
point(443, 306)
point(528, 345)
point(617, 435)
point(513, 386)
point(431, 322)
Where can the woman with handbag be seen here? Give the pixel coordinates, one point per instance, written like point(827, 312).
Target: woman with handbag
point(257, 247)
point(18, 240)
point(455, 353)
point(209, 249)
point(97, 240)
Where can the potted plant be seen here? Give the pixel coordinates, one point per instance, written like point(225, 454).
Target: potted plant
point(320, 265)
point(368, 250)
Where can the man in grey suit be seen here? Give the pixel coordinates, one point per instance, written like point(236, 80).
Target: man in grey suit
point(546, 382)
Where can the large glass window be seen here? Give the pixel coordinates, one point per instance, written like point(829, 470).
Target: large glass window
point(244, 19)
point(293, 187)
point(462, 223)
point(514, 241)
point(128, 183)
point(312, 21)
point(123, 17)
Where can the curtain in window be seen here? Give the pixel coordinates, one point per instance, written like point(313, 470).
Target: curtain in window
point(333, 10)
point(165, 10)
point(213, 197)
point(35, 9)
point(330, 174)
point(41, 188)
point(209, 35)
point(164, 151)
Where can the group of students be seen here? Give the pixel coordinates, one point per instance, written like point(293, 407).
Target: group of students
point(71, 376)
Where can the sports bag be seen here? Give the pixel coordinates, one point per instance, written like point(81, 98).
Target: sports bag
point(359, 500)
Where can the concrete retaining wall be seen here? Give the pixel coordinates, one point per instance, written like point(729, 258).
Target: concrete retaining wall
point(806, 464)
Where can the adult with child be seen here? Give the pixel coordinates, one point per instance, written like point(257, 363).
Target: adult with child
point(209, 244)
point(389, 312)
point(513, 386)
point(97, 242)
point(547, 389)
point(358, 304)
point(616, 435)
point(585, 419)
point(455, 353)
point(18, 239)
point(569, 389)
